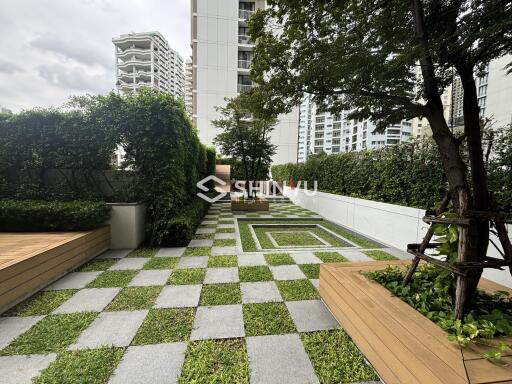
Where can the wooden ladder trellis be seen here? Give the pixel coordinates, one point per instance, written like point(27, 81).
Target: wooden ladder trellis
point(460, 269)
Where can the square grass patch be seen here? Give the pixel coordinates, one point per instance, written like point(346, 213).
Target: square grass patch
point(167, 325)
point(222, 261)
point(255, 273)
point(42, 303)
point(187, 276)
point(378, 254)
point(225, 230)
point(279, 259)
point(54, 333)
point(335, 358)
point(330, 257)
point(312, 271)
point(161, 263)
point(198, 251)
point(91, 366)
point(220, 294)
point(216, 361)
point(293, 290)
point(295, 239)
point(143, 252)
point(97, 265)
point(267, 319)
point(134, 298)
point(112, 279)
point(204, 236)
point(224, 243)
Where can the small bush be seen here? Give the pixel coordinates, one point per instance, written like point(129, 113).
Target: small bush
point(180, 229)
point(35, 215)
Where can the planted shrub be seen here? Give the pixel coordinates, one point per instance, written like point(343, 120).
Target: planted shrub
point(36, 215)
point(180, 228)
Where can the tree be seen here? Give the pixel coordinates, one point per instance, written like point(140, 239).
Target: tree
point(364, 56)
point(246, 135)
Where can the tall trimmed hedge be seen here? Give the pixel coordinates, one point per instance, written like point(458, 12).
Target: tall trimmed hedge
point(408, 174)
point(164, 155)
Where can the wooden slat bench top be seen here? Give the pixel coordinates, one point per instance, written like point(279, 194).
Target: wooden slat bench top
point(401, 344)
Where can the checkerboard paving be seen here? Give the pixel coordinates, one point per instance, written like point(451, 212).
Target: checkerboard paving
point(152, 316)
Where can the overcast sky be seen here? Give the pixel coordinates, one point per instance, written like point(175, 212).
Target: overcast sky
point(51, 49)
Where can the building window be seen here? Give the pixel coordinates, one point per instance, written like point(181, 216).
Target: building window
point(320, 119)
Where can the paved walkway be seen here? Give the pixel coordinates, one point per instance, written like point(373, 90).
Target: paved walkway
point(156, 309)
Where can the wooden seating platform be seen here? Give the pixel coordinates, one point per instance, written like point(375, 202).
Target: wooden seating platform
point(30, 261)
point(402, 345)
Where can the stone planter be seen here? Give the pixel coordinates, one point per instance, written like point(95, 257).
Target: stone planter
point(127, 225)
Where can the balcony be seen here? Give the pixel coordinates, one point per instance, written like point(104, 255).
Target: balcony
point(245, 14)
point(244, 64)
point(244, 87)
point(244, 39)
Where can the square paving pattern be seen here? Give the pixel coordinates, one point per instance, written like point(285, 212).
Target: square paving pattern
point(213, 291)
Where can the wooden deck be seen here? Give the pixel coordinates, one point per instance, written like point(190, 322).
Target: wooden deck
point(30, 261)
point(402, 345)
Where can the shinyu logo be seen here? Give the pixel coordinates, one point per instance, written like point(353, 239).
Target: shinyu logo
point(201, 185)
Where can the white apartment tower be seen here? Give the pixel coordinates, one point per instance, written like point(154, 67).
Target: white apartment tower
point(221, 59)
point(146, 60)
point(188, 85)
point(323, 132)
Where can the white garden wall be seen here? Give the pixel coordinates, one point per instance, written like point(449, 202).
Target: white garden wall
point(390, 224)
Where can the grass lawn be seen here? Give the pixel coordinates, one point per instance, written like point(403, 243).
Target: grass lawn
point(91, 366)
point(225, 230)
point(293, 290)
point(312, 271)
point(54, 333)
point(161, 263)
point(279, 259)
point(42, 303)
point(298, 238)
point(255, 273)
point(330, 257)
point(111, 279)
point(249, 245)
point(335, 358)
point(222, 261)
point(378, 254)
point(134, 298)
point(216, 361)
point(187, 276)
point(267, 319)
point(143, 252)
point(97, 265)
point(224, 243)
point(167, 325)
point(198, 251)
point(220, 294)
point(204, 236)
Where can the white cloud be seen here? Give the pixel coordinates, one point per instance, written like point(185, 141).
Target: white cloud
point(53, 49)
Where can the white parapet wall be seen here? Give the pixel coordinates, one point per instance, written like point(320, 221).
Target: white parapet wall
point(390, 224)
point(127, 225)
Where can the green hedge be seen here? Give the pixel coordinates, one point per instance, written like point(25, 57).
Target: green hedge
point(179, 230)
point(35, 215)
point(409, 174)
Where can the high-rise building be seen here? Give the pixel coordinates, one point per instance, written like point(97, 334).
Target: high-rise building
point(188, 85)
point(494, 92)
point(323, 132)
point(221, 59)
point(146, 60)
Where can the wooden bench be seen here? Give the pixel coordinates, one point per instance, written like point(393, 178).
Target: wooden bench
point(402, 345)
point(30, 261)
